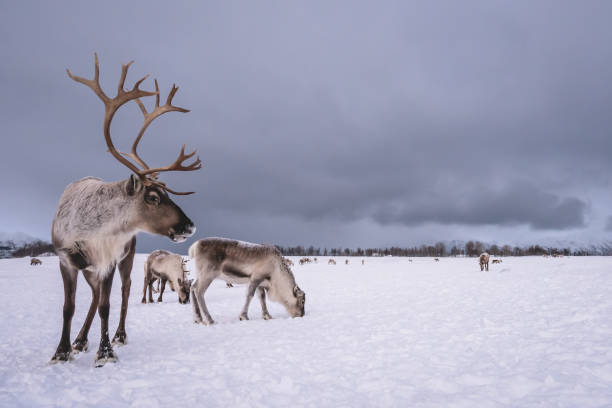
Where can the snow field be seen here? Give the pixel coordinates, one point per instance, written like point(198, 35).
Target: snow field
point(531, 332)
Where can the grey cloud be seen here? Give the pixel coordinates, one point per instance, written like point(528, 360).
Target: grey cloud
point(609, 224)
point(477, 114)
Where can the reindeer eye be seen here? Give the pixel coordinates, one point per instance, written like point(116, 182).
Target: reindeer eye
point(152, 198)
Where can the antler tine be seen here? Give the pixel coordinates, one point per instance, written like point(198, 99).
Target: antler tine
point(178, 163)
point(94, 84)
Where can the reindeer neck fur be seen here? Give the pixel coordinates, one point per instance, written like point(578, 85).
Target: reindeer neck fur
point(93, 222)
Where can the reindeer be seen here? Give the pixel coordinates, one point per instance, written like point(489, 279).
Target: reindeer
point(331, 262)
point(363, 261)
point(261, 266)
point(346, 261)
point(165, 266)
point(96, 222)
point(305, 260)
point(35, 261)
point(484, 261)
point(437, 259)
point(496, 261)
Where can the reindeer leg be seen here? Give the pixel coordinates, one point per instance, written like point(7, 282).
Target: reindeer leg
point(69, 276)
point(264, 307)
point(151, 290)
point(144, 289)
point(125, 270)
point(198, 297)
point(105, 351)
point(197, 316)
point(80, 343)
point(161, 290)
point(250, 292)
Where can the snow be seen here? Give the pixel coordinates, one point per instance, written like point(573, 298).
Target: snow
point(531, 332)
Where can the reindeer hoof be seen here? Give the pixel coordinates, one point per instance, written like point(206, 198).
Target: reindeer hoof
point(120, 339)
point(105, 356)
point(80, 345)
point(244, 317)
point(267, 316)
point(61, 357)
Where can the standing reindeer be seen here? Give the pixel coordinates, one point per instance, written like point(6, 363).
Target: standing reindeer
point(96, 222)
point(484, 261)
point(165, 266)
point(331, 262)
point(35, 261)
point(261, 266)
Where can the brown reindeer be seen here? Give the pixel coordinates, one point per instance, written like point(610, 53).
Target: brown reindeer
point(496, 261)
point(331, 262)
point(96, 222)
point(35, 261)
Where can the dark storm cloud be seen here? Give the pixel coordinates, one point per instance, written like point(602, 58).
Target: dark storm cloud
point(404, 113)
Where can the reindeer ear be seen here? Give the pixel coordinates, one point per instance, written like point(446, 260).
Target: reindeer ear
point(133, 185)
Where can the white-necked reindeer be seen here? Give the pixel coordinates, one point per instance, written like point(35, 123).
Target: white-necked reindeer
point(261, 266)
point(164, 266)
point(96, 222)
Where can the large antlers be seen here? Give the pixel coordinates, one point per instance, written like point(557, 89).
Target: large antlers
point(146, 174)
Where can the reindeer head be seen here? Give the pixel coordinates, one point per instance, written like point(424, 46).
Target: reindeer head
point(296, 307)
point(156, 212)
point(184, 284)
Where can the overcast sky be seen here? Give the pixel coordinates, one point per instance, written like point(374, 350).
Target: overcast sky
point(325, 123)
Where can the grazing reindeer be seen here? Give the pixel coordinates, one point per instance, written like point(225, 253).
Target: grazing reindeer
point(331, 262)
point(165, 267)
point(305, 260)
point(437, 259)
point(496, 261)
point(35, 261)
point(484, 261)
point(95, 226)
point(261, 266)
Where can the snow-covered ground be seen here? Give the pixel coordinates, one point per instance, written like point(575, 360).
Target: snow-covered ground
point(531, 332)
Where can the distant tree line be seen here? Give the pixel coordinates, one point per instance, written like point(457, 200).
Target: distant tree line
point(471, 249)
point(34, 248)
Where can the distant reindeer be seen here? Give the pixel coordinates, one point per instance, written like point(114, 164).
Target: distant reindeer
point(164, 266)
point(95, 226)
point(496, 261)
point(305, 260)
point(35, 261)
point(484, 261)
point(437, 259)
point(316, 260)
point(363, 262)
point(261, 266)
point(331, 262)
point(228, 285)
point(346, 261)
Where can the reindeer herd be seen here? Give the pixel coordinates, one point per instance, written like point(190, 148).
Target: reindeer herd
point(96, 222)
